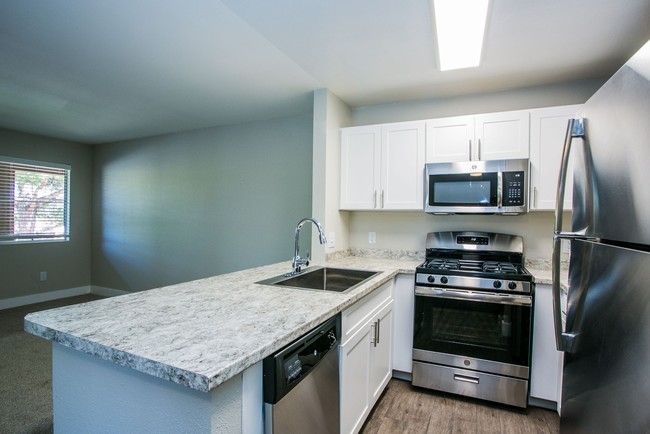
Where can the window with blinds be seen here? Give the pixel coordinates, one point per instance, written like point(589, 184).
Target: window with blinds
point(34, 201)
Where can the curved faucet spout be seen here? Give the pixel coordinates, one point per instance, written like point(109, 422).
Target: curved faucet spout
point(298, 262)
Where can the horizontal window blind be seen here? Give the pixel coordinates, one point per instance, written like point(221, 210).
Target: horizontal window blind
point(34, 201)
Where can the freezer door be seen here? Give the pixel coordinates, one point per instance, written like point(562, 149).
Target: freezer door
point(606, 382)
point(611, 197)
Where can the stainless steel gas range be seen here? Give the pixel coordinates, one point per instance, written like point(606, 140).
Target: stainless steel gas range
point(473, 317)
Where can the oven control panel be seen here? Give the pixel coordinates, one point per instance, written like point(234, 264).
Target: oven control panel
point(469, 282)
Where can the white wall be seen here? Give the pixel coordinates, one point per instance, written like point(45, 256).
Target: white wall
point(330, 114)
point(407, 230)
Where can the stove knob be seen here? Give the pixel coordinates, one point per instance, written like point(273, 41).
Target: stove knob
point(431, 279)
point(497, 284)
point(512, 285)
point(444, 279)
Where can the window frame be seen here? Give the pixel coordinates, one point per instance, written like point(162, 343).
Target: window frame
point(65, 237)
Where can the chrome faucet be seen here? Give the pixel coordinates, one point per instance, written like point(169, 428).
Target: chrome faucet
point(299, 262)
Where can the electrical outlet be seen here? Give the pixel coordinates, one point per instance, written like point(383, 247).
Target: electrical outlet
point(372, 237)
point(42, 276)
point(331, 240)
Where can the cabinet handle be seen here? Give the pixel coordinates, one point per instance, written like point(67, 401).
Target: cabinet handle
point(470, 149)
point(382, 199)
point(479, 149)
point(374, 205)
point(377, 330)
point(535, 196)
point(373, 340)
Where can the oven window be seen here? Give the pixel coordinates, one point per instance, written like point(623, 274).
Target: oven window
point(463, 190)
point(488, 331)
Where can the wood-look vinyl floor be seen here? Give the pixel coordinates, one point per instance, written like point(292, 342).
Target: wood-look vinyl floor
point(403, 408)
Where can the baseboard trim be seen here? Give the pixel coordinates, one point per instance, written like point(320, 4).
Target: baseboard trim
point(9, 303)
point(107, 292)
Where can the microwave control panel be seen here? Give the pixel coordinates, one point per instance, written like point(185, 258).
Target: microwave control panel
point(513, 188)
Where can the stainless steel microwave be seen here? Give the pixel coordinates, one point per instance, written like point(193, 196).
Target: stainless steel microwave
point(477, 187)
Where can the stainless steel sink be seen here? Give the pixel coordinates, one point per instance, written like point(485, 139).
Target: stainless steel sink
point(323, 278)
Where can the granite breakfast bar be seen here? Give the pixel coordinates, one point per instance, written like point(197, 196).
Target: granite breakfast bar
point(187, 357)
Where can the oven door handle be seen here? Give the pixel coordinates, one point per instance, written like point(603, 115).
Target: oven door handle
point(485, 297)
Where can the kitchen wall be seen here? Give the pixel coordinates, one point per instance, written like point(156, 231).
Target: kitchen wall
point(184, 206)
point(67, 263)
point(406, 230)
point(330, 114)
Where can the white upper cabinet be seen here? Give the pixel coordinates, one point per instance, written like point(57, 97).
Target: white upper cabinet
point(502, 136)
point(360, 167)
point(492, 136)
point(547, 133)
point(382, 166)
point(402, 166)
point(450, 139)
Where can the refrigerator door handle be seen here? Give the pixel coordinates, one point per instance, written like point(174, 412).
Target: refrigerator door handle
point(575, 128)
point(563, 341)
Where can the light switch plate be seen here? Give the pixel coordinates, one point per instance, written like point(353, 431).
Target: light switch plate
point(372, 237)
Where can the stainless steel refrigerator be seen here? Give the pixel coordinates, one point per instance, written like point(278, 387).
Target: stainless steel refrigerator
point(606, 338)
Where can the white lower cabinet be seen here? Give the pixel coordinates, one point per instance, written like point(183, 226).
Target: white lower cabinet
point(365, 356)
point(546, 372)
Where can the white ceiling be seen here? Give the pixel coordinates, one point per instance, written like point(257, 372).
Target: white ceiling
point(99, 71)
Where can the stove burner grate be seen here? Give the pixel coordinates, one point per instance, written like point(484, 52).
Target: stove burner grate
point(499, 267)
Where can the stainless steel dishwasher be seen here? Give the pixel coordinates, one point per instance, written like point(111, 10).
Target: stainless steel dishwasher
point(301, 383)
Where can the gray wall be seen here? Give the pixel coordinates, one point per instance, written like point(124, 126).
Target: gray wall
point(179, 207)
point(67, 263)
point(574, 92)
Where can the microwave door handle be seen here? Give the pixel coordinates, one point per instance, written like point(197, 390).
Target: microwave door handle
point(499, 189)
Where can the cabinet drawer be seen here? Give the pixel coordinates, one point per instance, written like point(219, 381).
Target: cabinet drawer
point(512, 391)
point(356, 315)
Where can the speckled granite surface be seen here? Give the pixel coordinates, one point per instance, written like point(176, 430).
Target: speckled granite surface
point(202, 333)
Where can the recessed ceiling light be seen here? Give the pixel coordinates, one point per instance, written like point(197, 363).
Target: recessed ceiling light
point(460, 26)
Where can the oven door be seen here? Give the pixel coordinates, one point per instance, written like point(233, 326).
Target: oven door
point(473, 330)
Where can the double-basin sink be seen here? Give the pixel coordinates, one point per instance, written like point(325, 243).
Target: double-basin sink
point(323, 279)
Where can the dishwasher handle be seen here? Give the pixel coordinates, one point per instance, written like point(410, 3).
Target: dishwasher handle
point(285, 369)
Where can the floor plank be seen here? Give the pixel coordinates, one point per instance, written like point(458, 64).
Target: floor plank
point(403, 408)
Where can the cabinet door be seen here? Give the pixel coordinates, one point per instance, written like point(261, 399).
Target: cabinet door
point(403, 306)
point(381, 360)
point(502, 135)
point(449, 139)
point(360, 167)
point(546, 366)
point(547, 133)
point(354, 382)
point(402, 166)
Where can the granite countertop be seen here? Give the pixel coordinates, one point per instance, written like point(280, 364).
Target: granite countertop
point(541, 269)
point(202, 333)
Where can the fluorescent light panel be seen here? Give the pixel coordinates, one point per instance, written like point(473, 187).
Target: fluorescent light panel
point(460, 26)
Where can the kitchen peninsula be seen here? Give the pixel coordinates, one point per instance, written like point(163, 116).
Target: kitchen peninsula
point(187, 357)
